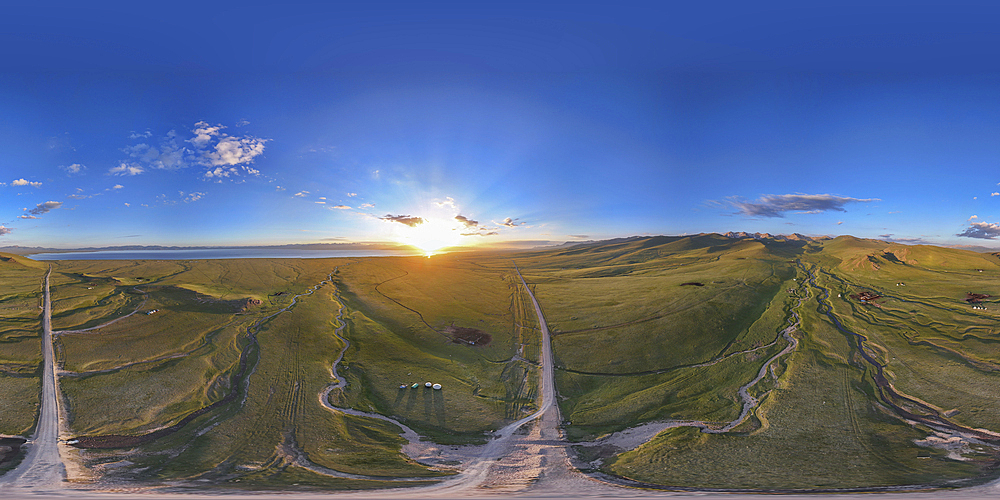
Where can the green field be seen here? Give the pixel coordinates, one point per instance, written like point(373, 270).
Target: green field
point(20, 342)
point(206, 371)
point(144, 346)
point(629, 324)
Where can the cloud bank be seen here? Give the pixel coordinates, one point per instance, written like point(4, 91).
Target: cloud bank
point(208, 147)
point(777, 205)
point(43, 208)
point(981, 230)
point(25, 182)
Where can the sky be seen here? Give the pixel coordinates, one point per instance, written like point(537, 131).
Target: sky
point(475, 123)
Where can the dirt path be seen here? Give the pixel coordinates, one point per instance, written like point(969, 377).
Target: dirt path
point(42, 468)
point(109, 323)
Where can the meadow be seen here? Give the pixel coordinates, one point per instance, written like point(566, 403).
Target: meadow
point(20, 342)
point(207, 370)
point(822, 414)
point(215, 368)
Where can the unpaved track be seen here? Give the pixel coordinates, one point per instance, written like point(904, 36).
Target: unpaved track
point(42, 468)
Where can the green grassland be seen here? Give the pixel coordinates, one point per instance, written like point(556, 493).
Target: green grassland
point(400, 312)
point(632, 336)
point(20, 342)
point(643, 329)
point(818, 429)
point(242, 443)
point(628, 326)
point(157, 369)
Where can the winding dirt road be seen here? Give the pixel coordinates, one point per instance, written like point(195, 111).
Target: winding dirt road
point(42, 468)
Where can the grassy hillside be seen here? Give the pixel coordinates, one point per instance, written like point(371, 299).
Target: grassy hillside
point(170, 343)
point(204, 370)
point(20, 342)
point(824, 413)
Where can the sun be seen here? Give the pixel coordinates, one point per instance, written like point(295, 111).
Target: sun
point(430, 236)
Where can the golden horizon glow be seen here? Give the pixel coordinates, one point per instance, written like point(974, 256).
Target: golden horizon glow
point(430, 236)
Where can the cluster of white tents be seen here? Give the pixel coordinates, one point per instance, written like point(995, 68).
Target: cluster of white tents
point(429, 385)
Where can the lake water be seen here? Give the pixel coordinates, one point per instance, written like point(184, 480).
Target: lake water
point(219, 253)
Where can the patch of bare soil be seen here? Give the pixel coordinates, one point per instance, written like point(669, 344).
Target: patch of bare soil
point(9, 448)
point(695, 283)
point(974, 298)
point(468, 336)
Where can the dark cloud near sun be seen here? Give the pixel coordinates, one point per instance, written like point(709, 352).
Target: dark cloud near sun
point(473, 228)
point(510, 222)
point(403, 219)
point(467, 221)
point(981, 230)
point(776, 205)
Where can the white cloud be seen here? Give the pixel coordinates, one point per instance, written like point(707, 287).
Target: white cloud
point(167, 156)
point(203, 134)
point(25, 182)
point(352, 195)
point(243, 123)
point(301, 194)
point(27, 217)
point(209, 147)
point(449, 201)
point(341, 207)
point(279, 188)
point(190, 197)
point(117, 186)
point(322, 197)
point(75, 168)
point(227, 150)
point(367, 205)
point(320, 202)
point(126, 168)
point(233, 151)
point(994, 194)
point(128, 205)
point(4, 230)
point(220, 172)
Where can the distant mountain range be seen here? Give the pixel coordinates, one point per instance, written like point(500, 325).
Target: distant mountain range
point(776, 237)
point(19, 250)
point(509, 245)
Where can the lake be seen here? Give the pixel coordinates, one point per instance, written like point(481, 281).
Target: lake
point(219, 253)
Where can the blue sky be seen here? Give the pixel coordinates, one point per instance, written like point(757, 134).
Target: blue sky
point(308, 122)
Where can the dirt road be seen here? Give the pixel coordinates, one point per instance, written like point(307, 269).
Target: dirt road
point(42, 468)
